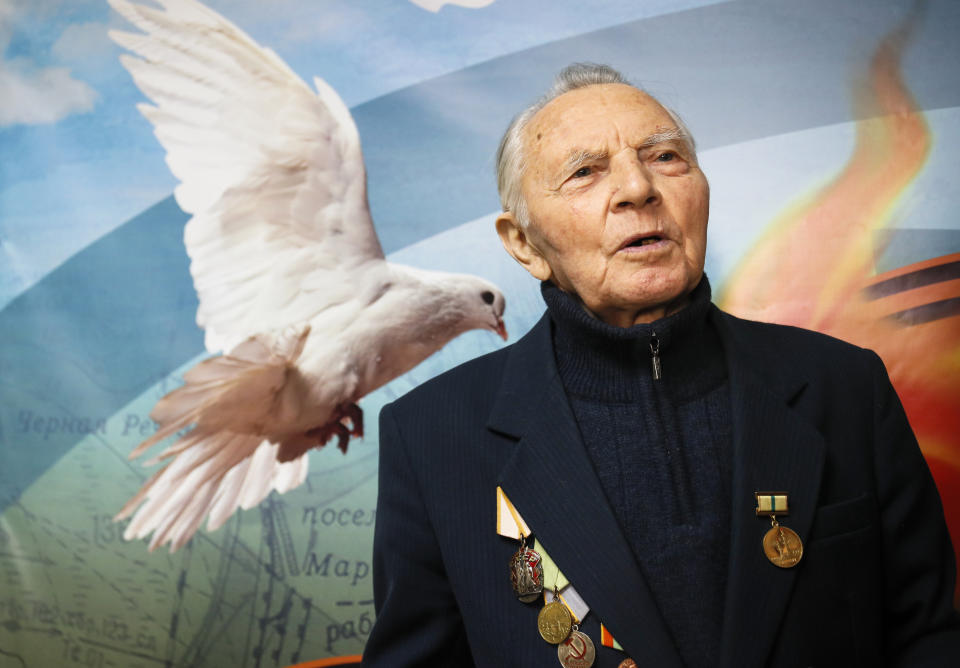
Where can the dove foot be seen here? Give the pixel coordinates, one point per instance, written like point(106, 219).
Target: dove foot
point(349, 423)
point(346, 421)
point(318, 436)
point(343, 436)
point(354, 413)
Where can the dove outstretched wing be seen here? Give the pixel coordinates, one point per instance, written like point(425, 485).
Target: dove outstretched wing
point(271, 172)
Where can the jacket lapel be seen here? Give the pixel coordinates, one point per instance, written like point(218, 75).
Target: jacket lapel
point(775, 449)
point(551, 481)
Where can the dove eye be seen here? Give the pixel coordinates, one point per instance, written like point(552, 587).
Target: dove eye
point(487, 297)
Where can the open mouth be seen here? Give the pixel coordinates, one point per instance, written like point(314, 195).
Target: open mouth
point(644, 241)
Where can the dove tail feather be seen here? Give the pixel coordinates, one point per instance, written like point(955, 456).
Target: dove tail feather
point(223, 462)
point(190, 398)
point(183, 443)
point(213, 389)
point(137, 499)
point(165, 431)
point(171, 495)
point(210, 479)
point(178, 530)
point(291, 474)
point(258, 481)
point(164, 493)
point(225, 501)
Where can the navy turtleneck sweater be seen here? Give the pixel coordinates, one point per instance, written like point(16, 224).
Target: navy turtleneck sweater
point(662, 450)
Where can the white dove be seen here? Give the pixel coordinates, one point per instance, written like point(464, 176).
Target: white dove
point(292, 282)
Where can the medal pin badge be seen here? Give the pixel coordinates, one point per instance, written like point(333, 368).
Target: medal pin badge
point(526, 573)
point(781, 545)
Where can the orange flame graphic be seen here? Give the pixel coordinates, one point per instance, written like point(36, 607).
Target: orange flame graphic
point(814, 268)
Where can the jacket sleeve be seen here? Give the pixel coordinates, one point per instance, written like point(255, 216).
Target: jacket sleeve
point(418, 622)
point(921, 626)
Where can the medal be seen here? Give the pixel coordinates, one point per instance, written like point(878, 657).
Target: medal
point(526, 565)
point(628, 663)
point(526, 573)
point(554, 622)
point(558, 620)
point(781, 545)
point(577, 651)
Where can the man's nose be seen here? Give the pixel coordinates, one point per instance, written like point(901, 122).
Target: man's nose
point(635, 186)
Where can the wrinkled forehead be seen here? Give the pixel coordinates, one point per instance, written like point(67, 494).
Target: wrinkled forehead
point(589, 117)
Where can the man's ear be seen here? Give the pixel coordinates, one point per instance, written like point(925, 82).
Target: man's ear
point(516, 242)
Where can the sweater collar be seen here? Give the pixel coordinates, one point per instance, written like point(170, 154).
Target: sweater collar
point(601, 361)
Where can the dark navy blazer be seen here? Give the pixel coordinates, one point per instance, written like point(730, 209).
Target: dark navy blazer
point(812, 416)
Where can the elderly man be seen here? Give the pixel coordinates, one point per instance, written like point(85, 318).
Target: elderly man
point(642, 477)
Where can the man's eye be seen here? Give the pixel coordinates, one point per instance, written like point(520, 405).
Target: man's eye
point(583, 171)
point(666, 156)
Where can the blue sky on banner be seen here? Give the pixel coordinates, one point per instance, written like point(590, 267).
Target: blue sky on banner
point(85, 161)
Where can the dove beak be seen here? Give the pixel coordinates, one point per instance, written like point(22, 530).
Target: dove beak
point(501, 329)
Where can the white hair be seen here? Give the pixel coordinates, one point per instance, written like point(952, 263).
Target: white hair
point(510, 158)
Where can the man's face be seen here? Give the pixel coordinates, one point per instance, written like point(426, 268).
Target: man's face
point(618, 206)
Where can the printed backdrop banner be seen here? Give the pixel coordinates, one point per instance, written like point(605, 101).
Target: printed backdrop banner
point(829, 131)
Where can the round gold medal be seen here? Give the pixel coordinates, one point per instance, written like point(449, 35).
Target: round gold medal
point(577, 651)
point(783, 547)
point(554, 622)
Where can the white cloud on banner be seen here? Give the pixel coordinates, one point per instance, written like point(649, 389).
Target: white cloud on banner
point(86, 42)
point(32, 93)
point(40, 95)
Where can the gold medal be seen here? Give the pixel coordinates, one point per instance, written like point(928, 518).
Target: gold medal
point(628, 663)
point(526, 573)
point(782, 546)
point(577, 651)
point(554, 622)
